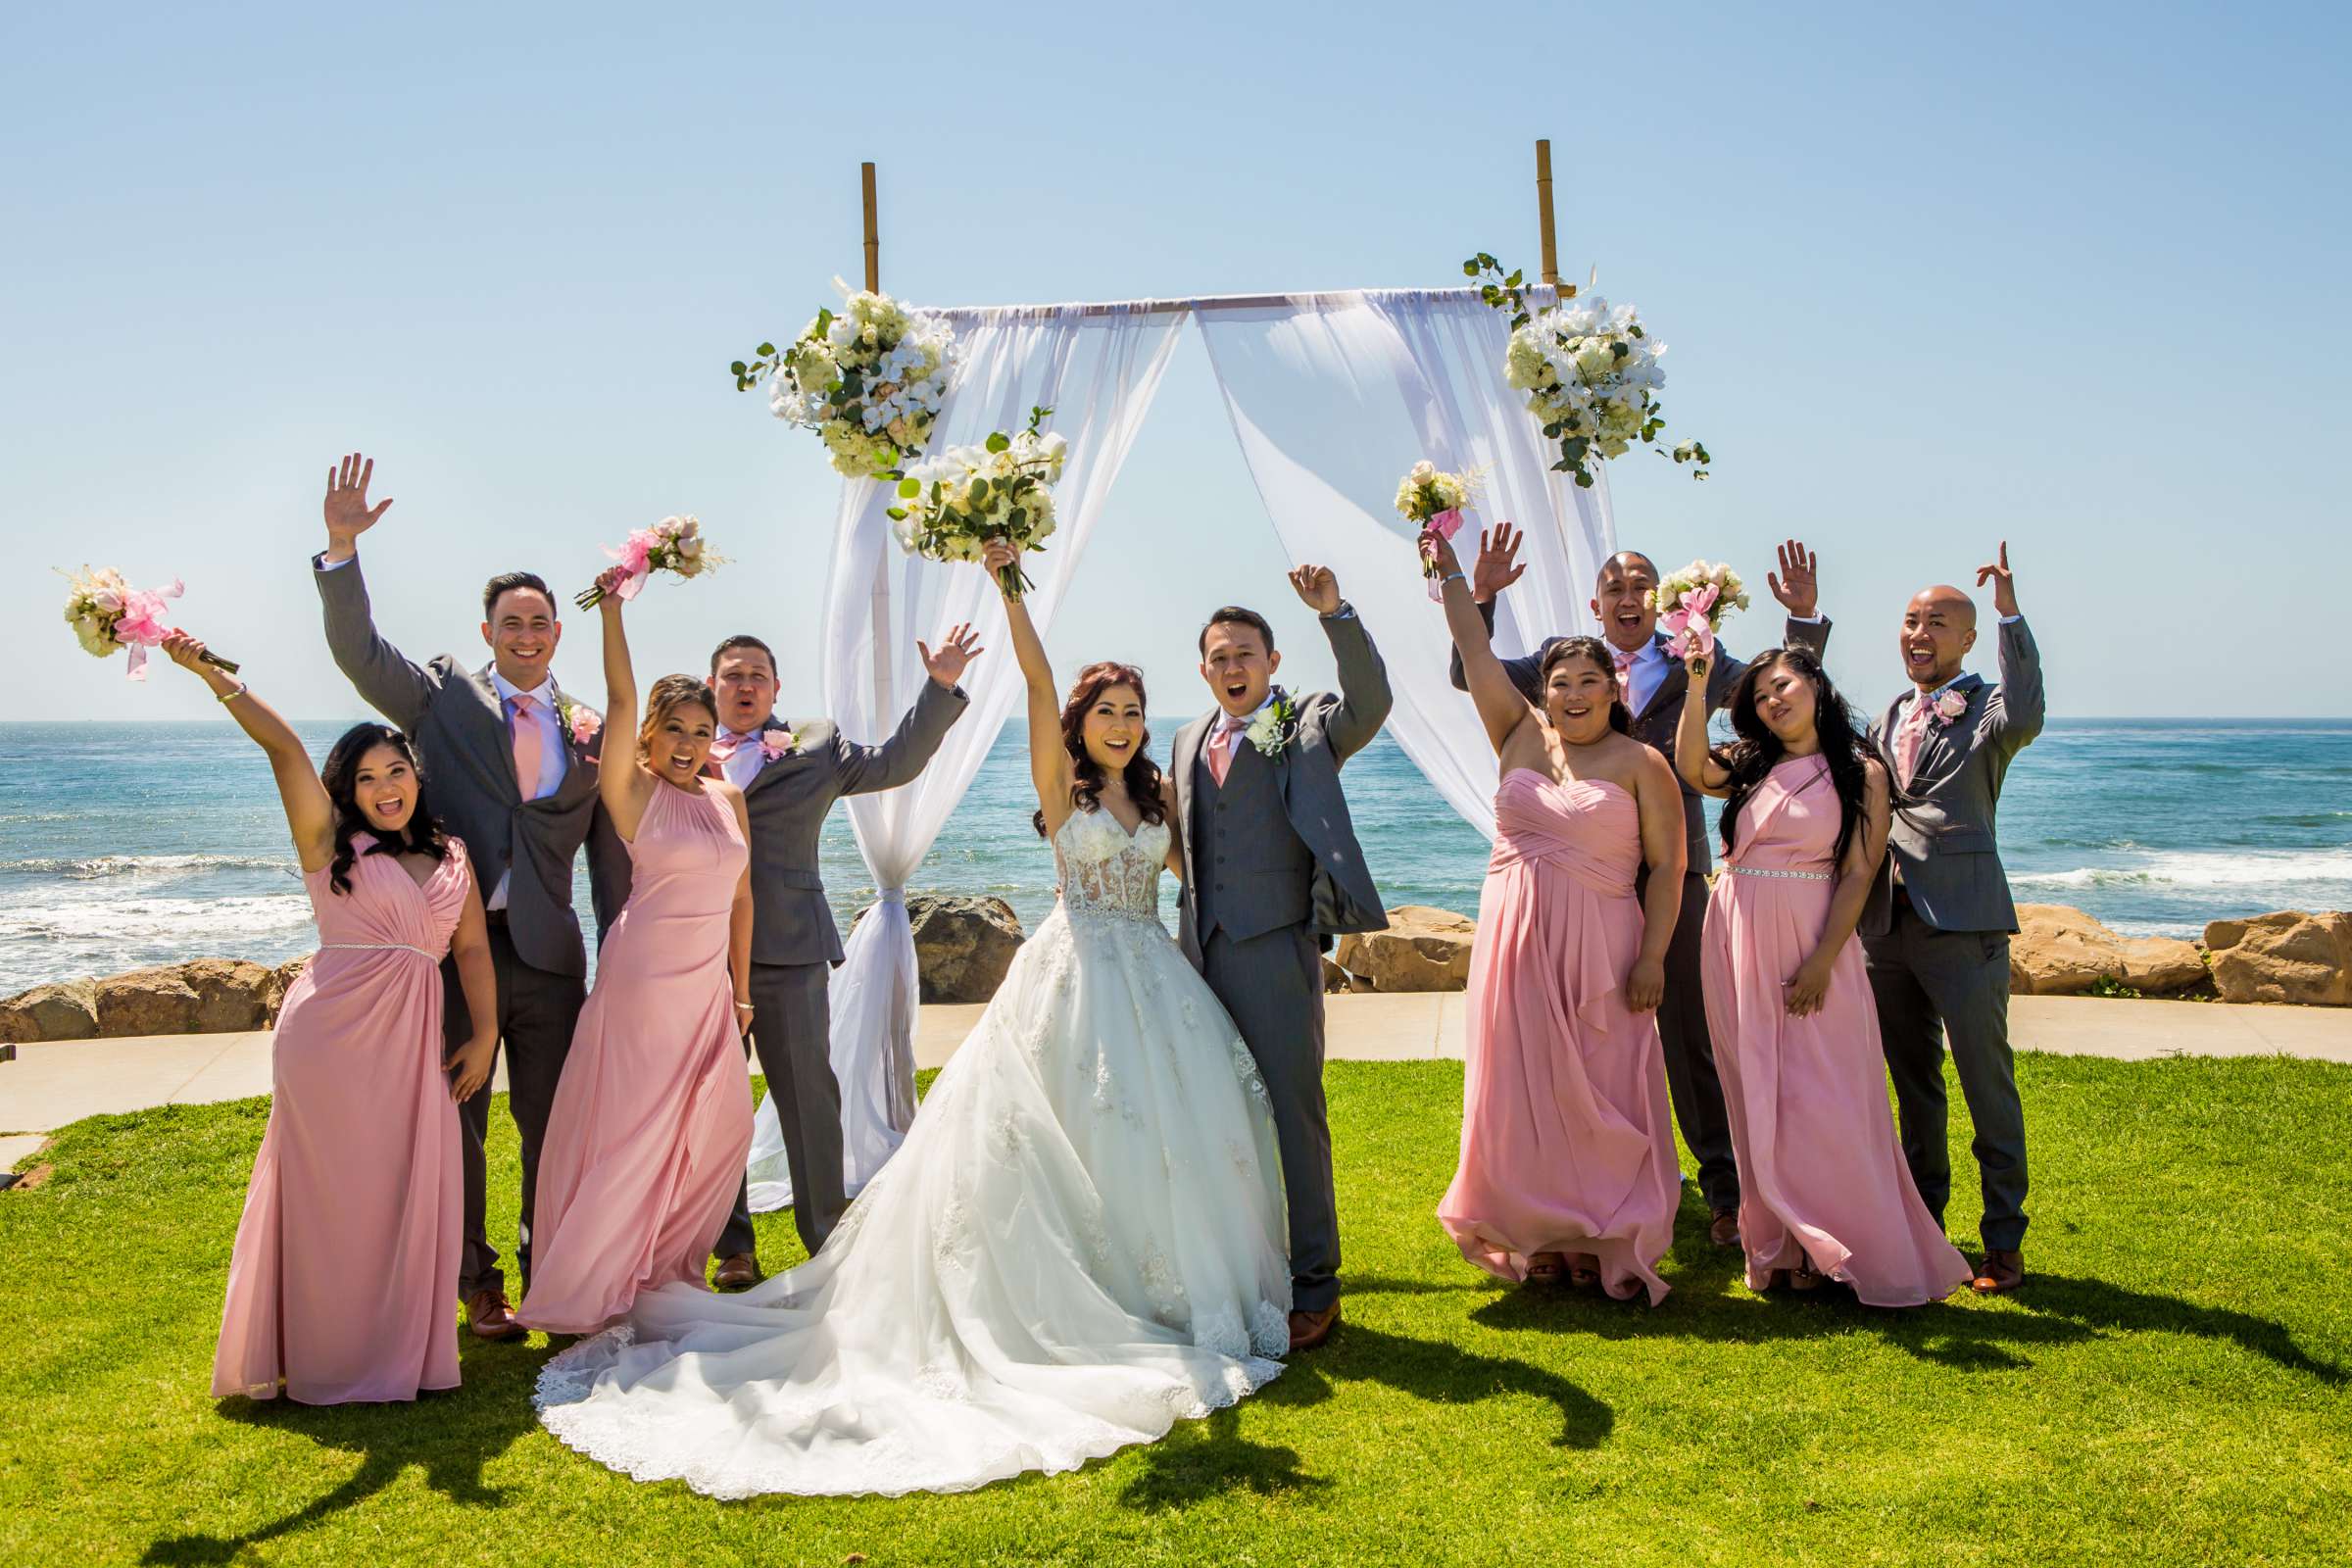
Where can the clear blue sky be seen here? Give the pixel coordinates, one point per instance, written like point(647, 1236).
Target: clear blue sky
point(2069, 275)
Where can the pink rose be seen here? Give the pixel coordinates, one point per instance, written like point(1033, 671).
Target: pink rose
point(585, 722)
point(775, 743)
point(1949, 706)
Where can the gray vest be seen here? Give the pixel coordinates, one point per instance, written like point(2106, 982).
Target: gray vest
point(1252, 870)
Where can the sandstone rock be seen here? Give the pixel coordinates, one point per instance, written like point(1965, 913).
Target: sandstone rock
point(2061, 951)
point(2287, 956)
point(147, 1002)
point(281, 981)
point(65, 1011)
point(962, 946)
point(1422, 950)
point(231, 994)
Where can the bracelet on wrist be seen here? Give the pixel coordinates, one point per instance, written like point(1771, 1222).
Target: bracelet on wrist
point(233, 693)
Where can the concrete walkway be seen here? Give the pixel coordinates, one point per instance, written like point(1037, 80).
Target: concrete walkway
point(50, 1085)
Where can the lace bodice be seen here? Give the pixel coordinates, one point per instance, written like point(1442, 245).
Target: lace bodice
point(1105, 870)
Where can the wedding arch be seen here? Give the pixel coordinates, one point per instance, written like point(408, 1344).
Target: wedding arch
point(1330, 397)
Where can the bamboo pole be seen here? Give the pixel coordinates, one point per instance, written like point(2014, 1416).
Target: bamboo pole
point(1551, 244)
point(874, 241)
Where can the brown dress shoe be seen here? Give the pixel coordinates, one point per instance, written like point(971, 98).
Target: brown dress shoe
point(1722, 1227)
point(490, 1317)
point(2001, 1272)
point(1310, 1329)
point(738, 1273)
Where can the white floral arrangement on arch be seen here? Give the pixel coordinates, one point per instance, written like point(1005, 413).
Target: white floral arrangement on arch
point(868, 379)
point(1590, 371)
point(950, 507)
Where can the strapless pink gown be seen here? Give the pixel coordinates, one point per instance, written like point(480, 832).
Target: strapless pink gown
point(1820, 1170)
point(346, 1261)
point(1567, 1145)
point(653, 1116)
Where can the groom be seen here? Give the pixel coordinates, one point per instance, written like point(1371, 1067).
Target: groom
point(511, 761)
point(1272, 870)
point(1937, 932)
point(790, 775)
point(1653, 688)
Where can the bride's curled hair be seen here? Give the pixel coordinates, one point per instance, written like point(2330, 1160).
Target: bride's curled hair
point(1141, 773)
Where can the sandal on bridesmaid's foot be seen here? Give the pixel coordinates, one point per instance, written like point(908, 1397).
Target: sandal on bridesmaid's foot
point(1584, 1270)
point(1546, 1268)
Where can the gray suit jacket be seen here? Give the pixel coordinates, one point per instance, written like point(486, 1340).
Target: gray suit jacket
point(1943, 831)
point(1662, 714)
point(787, 798)
point(455, 720)
point(1338, 893)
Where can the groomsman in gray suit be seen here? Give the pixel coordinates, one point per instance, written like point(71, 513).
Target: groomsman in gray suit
point(1272, 872)
point(1653, 688)
point(791, 772)
point(512, 762)
point(1937, 926)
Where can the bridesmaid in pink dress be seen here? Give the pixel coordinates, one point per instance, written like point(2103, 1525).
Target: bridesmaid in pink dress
point(346, 1256)
point(1567, 1160)
point(1825, 1192)
point(653, 1116)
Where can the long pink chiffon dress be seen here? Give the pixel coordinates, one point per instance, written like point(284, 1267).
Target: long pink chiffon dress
point(1567, 1145)
point(343, 1281)
point(653, 1116)
point(1821, 1174)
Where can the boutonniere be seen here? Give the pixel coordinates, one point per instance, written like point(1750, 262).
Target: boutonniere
point(1948, 706)
point(1276, 723)
point(777, 743)
point(580, 722)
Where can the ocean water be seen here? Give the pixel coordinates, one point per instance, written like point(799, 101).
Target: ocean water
point(121, 848)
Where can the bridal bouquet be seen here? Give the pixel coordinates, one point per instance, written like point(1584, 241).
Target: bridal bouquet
point(1692, 603)
point(1436, 501)
point(950, 506)
point(868, 380)
point(675, 544)
point(106, 614)
point(1591, 374)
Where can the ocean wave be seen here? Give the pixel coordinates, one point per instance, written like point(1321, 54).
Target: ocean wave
point(2191, 871)
point(153, 922)
point(90, 868)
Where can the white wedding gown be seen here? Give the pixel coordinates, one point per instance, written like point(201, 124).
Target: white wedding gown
point(1081, 1242)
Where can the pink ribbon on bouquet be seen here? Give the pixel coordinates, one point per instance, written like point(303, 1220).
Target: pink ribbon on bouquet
point(141, 625)
point(634, 555)
point(1687, 626)
point(1446, 524)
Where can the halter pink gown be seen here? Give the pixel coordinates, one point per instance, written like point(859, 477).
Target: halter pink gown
point(653, 1116)
point(1820, 1171)
point(346, 1260)
point(1567, 1145)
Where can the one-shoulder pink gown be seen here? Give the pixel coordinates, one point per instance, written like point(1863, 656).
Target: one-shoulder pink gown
point(1820, 1171)
point(346, 1260)
point(1567, 1145)
point(653, 1116)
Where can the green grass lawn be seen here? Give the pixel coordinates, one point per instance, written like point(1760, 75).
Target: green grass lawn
point(2170, 1388)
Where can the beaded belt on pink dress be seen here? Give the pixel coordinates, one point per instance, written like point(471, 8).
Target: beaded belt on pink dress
point(373, 947)
point(1772, 870)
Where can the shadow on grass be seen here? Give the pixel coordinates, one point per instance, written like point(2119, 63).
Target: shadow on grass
point(1202, 1459)
point(452, 1435)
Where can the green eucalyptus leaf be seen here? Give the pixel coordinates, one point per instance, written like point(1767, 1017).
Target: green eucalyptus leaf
point(911, 488)
point(997, 441)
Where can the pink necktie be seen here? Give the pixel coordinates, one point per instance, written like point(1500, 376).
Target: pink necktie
point(1624, 678)
point(1220, 749)
point(528, 743)
point(1906, 740)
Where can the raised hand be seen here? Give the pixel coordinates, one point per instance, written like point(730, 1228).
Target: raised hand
point(1000, 557)
point(1795, 585)
point(348, 514)
point(2004, 584)
point(947, 666)
point(608, 588)
point(1497, 549)
point(184, 651)
point(1696, 666)
point(1437, 551)
point(1319, 588)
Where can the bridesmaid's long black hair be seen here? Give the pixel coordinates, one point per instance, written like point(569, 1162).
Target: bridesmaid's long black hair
point(421, 836)
point(1759, 750)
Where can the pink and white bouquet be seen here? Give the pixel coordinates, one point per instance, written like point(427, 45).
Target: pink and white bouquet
point(1436, 500)
point(1590, 371)
point(1693, 602)
point(950, 507)
point(108, 614)
point(675, 544)
point(869, 381)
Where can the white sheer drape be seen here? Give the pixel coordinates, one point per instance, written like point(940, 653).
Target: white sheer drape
point(1099, 368)
point(1334, 397)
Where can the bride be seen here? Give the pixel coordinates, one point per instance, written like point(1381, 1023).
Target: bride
point(1080, 1241)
